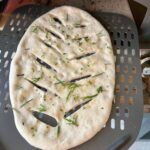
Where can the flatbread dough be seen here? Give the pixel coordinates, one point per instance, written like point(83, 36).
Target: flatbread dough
point(57, 49)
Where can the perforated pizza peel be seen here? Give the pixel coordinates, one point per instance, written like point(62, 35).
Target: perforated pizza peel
point(127, 110)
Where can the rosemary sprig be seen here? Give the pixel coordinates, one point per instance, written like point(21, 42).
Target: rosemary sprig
point(72, 121)
point(70, 85)
point(98, 91)
point(19, 87)
point(58, 131)
point(98, 74)
point(60, 81)
point(26, 102)
point(67, 17)
point(100, 34)
point(38, 78)
point(34, 29)
point(89, 97)
point(42, 108)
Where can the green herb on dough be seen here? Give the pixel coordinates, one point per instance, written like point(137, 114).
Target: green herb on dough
point(76, 97)
point(43, 55)
point(19, 87)
point(67, 17)
point(60, 81)
point(44, 97)
point(100, 34)
point(109, 47)
point(48, 35)
point(42, 108)
point(98, 91)
point(58, 130)
point(98, 74)
point(38, 78)
point(26, 102)
point(70, 85)
point(72, 121)
point(34, 29)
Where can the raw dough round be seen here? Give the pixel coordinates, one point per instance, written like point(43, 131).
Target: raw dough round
point(68, 53)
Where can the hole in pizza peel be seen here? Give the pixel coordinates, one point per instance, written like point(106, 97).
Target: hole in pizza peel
point(125, 35)
point(121, 100)
point(122, 59)
point(24, 16)
point(49, 120)
point(130, 101)
point(134, 91)
point(126, 112)
point(6, 85)
point(18, 23)
point(113, 123)
point(129, 43)
point(129, 60)
point(12, 55)
point(126, 69)
point(132, 36)
point(117, 89)
point(25, 23)
point(117, 68)
point(17, 16)
point(126, 89)
point(12, 29)
point(122, 27)
point(29, 10)
point(117, 111)
point(118, 34)
point(11, 22)
point(129, 28)
point(115, 42)
point(118, 51)
point(122, 124)
point(122, 43)
point(6, 63)
point(6, 96)
point(133, 52)
point(133, 70)
point(130, 79)
point(125, 51)
point(5, 54)
point(122, 78)
point(111, 33)
point(6, 73)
